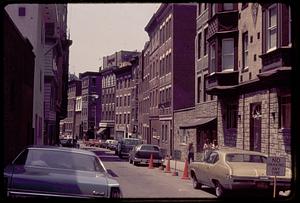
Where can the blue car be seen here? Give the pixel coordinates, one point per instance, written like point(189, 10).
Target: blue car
point(48, 171)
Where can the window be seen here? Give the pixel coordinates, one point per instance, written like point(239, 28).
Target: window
point(204, 88)
point(232, 111)
point(227, 54)
point(212, 58)
point(199, 45)
point(93, 81)
point(213, 9)
point(199, 9)
point(272, 27)
point(198, 89)
point(128, 100)
point(22, 11)
point(166, 132)
point(228, 6)
point(245, 50)
point(205, 42)
point(285, 111)
point(183, 136)
point(162, 132)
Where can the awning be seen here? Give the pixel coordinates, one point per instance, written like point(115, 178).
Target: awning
point(193, 123)
point(100, 130)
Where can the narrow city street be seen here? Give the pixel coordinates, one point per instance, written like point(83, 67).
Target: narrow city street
point(141, 182)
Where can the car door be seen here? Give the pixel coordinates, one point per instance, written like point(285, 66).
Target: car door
point(209, 168)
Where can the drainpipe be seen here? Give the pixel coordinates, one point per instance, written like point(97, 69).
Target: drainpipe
point(244, 121)
point(269, 136)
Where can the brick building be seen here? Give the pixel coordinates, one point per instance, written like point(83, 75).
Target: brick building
point(108, 93)
point(143, 95)
point(91, 101)
point(171, 68)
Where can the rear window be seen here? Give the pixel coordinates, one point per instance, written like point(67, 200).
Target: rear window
point(132, 142)
point(149, 147)
point(246, 158)
point(63, 160)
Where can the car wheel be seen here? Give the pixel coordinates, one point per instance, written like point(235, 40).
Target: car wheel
point(135, 163)
point(220, 191)
point(130, 161)
point(196, 184)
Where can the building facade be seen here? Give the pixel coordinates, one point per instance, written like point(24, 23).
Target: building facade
point(91, 102)
point(171, 66)
point(108, 94)
point(143, 96)
point(123, 76)
point(29, 20)
point(18, 89)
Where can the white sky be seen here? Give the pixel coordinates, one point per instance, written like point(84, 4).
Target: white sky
point(99, 30)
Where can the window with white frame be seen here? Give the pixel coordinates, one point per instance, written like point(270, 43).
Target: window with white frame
point(285, 111)
point(183, 136)
point(272, 27)
point(212, 64)
point(227, 54)
point(228, 6)
point(245, 50)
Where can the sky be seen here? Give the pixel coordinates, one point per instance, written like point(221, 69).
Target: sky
point(99, 30)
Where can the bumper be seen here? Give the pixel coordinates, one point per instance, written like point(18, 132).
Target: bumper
point(146, 161)
point(258, 184)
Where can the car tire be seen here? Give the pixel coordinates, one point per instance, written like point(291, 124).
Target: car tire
point(130, 161)
point(220, 191)
point(135, 163)
point(196, 184)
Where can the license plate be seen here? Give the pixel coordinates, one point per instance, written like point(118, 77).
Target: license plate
point(262, 185)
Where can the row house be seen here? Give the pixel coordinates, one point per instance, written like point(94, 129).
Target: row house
point(74, 102)
point(18, 90)
point(171, 68)
point(56, 52)
point(108, 93)
point(143, 96)
point(198, 123)
point(91, 102)
point(254, 104)
point(29, 20)
point(45, 26)
point(123, 76)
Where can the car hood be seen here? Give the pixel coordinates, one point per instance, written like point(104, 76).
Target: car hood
point(252, 170)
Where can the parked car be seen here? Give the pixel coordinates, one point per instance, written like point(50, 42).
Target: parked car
point(68, 142)
point(106, 143)
point(98, 143)
point(125, 145)
point(142, 153)
point(48, 171)
point(231, 169)
point(112, 145)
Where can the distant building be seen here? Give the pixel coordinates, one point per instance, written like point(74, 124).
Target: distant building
point(171, 68)
point(18, 90)
point(108, 94)
point(91, 101)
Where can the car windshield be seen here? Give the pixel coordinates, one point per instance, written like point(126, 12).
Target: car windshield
point(246, 158)
point(132, 142)
point(149, 147)
point(63, 160)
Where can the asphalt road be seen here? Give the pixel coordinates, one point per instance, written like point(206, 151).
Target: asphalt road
point(141, 182)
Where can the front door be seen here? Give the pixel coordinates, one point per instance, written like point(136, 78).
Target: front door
point(255, 127)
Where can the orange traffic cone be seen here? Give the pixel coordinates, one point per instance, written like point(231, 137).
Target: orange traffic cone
point(151, 162)
point(185, 171)
point(168, 168)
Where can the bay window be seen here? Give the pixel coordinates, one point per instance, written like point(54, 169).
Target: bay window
point(212, 58)
point(272, 27)
point(227, 54)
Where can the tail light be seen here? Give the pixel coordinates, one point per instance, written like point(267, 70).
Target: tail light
point(115, 192)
